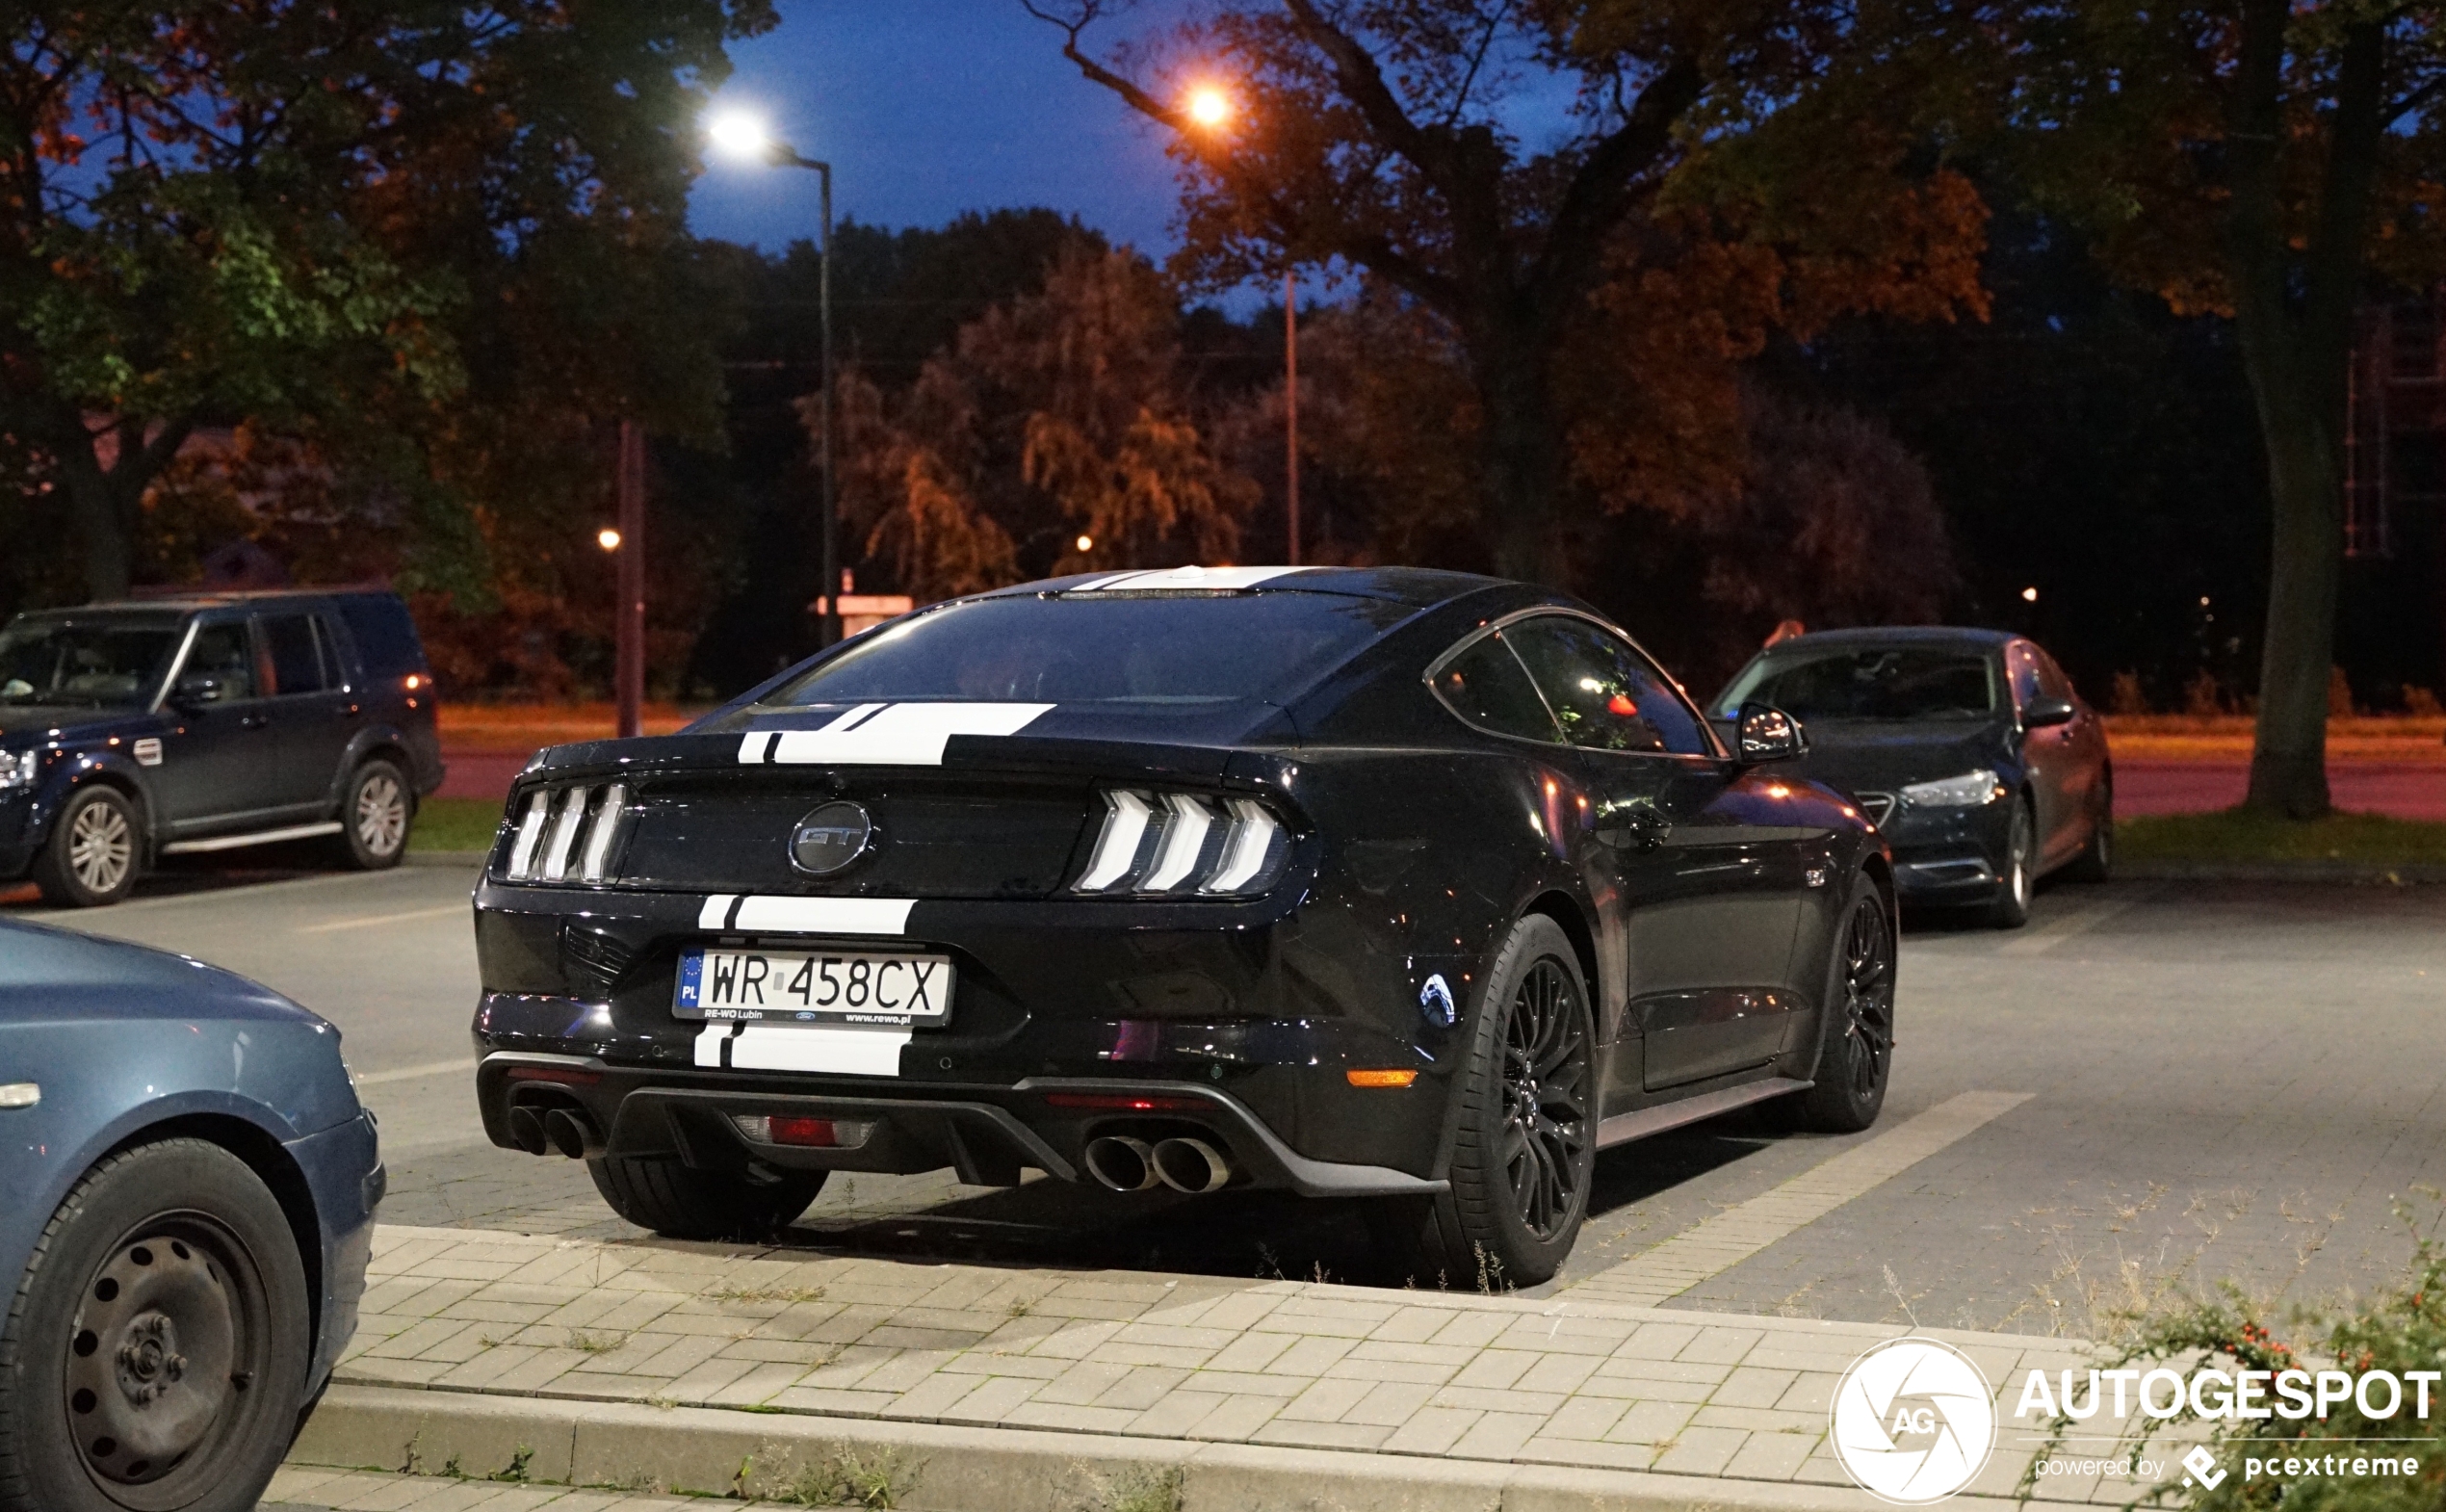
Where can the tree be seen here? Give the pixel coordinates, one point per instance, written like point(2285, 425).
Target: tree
point(1395, 137)
point(318, 218)
point(2272, 159)
point(1057, 417)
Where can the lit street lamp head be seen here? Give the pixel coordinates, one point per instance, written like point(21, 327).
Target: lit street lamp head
point(741, 135)
point(607, 538)
point(1209, 107)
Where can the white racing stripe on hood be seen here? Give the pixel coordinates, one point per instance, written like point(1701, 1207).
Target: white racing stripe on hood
point(892, 735)
point(1219, 577)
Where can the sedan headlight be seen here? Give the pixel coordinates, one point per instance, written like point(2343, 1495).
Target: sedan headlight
point(1967, 791)
point(19, 768)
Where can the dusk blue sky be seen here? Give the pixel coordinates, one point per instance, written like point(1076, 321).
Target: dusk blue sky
point(926, 108)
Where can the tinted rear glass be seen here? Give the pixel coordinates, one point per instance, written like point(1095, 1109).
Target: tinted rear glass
point(1870, 683)
point(102, 663)
point(385, 636)
point(1087, 649)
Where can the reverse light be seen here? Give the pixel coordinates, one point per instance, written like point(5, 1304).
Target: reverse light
point(1183, 844)
point(548, 847)
point(805, 1134)
point(1968, 790)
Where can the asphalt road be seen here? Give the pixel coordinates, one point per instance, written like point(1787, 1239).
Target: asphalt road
point(2224, 1082)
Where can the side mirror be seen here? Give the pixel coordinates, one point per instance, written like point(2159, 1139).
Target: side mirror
point(196, 688)
point(2045, 711)
point(1765, 732)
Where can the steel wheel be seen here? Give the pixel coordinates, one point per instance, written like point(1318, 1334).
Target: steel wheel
point(382, 813)
point(101, 847)
point(1868, 996)
point(1545, 1099)
point(158, 1354)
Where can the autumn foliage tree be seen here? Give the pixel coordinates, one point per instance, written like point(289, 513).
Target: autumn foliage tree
point(1061, 416)
point(1399, 138)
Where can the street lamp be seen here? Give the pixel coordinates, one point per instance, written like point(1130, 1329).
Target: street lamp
point(742, 135)
point(1209, 108)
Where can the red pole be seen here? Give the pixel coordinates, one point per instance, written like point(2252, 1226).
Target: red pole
point(1291, 408)
point(630, 611)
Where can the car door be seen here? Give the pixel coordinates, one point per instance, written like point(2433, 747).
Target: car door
point(313, 714)
point(1705, 903)
point(219, 762)
point(2078, 760)
point(2047, 755)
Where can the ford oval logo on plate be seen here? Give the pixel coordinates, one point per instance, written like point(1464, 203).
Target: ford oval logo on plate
point(831, 838)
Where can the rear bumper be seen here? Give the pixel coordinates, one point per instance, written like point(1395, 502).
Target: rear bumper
point(985, 1135)
point(343, 1168)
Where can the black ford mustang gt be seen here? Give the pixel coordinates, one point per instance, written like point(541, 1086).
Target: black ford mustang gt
point(1379, 884)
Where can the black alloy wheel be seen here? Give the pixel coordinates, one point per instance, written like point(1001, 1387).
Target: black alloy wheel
point(1856, 1047)
point(2096, 861)
point(374, 817)
point(2011, 909)
point(1524, 1151)
point(156, 1355)
point(95, 852)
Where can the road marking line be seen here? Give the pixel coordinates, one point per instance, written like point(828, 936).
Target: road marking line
point(369, 921)
point(2049, 936)
point(431, 1068)
point(1719, 1243)
point(207, 894)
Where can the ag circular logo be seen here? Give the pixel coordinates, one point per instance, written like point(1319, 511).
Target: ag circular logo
point(1913, 1422)
point(831, 838)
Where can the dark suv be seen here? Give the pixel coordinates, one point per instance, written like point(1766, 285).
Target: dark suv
point(150, 728)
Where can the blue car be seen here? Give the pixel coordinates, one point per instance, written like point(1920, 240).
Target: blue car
point(187, 1195)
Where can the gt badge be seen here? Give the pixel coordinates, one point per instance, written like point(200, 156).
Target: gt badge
point(830, 838)
point(147, 751)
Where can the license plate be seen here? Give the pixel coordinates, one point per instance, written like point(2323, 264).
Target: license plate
point(783, 987)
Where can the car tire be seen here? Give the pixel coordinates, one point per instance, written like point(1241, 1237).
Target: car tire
point(375, 816)
point(95, 852)
point(2096, 861)
point(155, 1355)
point(1519, 1174)
point(1855, 1019)
point(680, 1203)
point(2011, 909)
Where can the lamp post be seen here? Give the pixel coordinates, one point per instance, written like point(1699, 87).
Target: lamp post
point(740, 135)
point(1209, 108)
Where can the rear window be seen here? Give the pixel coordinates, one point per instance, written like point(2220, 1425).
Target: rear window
point(1106, 649)
point(1893, 683)
point(384, 634)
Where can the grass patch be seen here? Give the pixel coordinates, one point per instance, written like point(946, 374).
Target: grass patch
point(2241, 836)
point(455, 825)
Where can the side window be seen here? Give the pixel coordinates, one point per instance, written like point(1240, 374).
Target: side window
point(336, 666)
point(288, 641)
point(1485, 686)
point(2051, 679)
point(1605, 694)
point(2021, 661)
point(222, 653)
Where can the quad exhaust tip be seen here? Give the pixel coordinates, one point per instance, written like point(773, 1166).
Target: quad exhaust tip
point(1121, 1163)
point(526, 1131)
point(1191, 1166)
point(570, 1133)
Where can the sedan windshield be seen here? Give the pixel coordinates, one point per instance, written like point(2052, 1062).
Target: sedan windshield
point(106, 663)
point(1095, 648)
point(1899, 682)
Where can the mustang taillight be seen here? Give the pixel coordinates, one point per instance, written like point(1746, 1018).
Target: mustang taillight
point(548, 846)
point(1183, 844)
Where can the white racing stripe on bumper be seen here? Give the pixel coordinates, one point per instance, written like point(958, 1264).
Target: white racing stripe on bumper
point(806, 915)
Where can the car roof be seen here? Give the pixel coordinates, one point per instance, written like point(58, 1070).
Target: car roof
point(1900, 636)
point(175, 601)
point(1420, 586)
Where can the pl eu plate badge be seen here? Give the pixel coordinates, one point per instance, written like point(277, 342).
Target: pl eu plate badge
point(692, 978)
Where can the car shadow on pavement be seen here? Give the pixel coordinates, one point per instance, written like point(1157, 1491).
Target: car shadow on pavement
point(173, 876)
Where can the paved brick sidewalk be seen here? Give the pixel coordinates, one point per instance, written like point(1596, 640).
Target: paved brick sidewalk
point(1559, 1382)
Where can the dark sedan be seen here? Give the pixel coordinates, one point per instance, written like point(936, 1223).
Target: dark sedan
point(1388, 884)
point(1980, 763)
point(187, 1195)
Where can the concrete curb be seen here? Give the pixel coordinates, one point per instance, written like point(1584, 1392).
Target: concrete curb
point(934, 1468)
point(2349, 874)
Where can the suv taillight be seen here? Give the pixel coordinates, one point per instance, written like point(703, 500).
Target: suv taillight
point(1184, 845)
point(547, 847)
